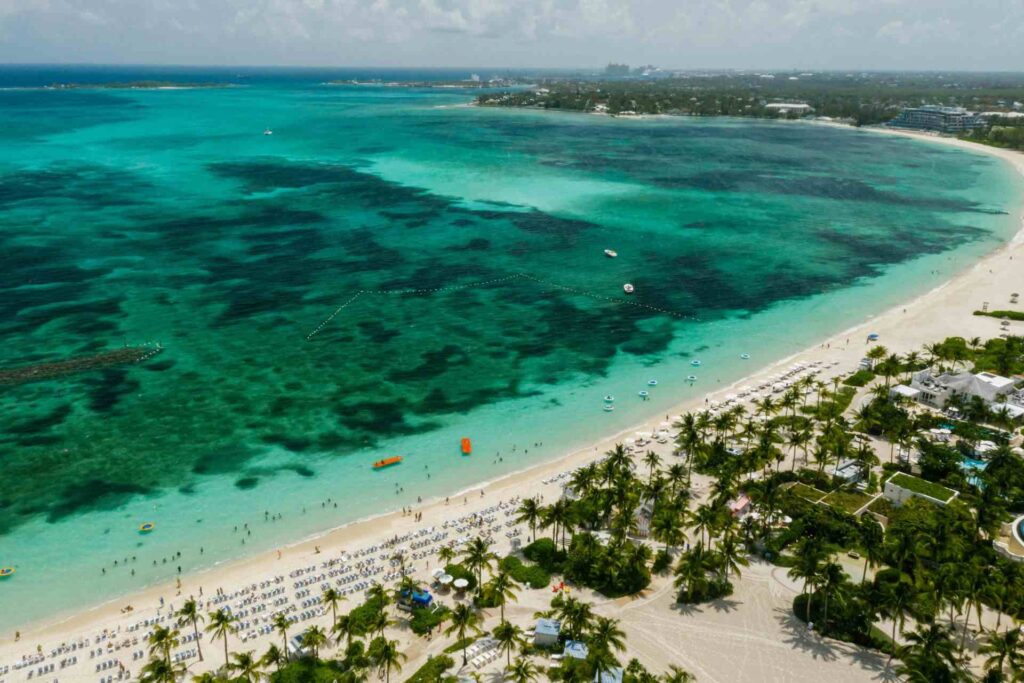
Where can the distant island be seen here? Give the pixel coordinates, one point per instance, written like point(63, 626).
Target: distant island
point(992, 103)
point(471, 84)
point(137, 85)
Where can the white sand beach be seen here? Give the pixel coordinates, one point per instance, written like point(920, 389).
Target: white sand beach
point(754, 639)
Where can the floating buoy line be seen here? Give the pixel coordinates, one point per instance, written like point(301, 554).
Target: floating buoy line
point(486, 283)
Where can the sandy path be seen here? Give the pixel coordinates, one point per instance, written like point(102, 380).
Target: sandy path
point(755, 642)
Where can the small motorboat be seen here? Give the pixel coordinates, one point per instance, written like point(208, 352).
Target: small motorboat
point(609, 399)
point(467, 446)
point(695, 363)
point(643, 394)
point(147, 527)
point(387, 462)
point(652, 382)
point(267, 131)
point(608, 407)
point(627, 288)
point(6, 571)
point(745, 356)
point(692, 378)
point(610, 253)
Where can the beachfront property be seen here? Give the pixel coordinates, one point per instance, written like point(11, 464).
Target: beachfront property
point(999, 393)
point(784, 108)
point(937, 118)
point(901, 487)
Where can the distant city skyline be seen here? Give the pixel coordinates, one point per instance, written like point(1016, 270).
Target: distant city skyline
point(768, 34)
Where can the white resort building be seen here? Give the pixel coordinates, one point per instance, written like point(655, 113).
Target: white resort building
point(999, 393)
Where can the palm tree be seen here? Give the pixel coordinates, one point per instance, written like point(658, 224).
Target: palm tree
point(379, 622)
point(281, 624)
point(605, 634)
point(575, 615)
point(930, 655)
point(508, 636)
point(692, 572)
point(446, 554)
point(652, 460)
point(872, 538)
point(385, 655)
point(464, 620)
point(345, 628)
point(273, 657)
point(730, 556)
point(502, 589)
point(830, 584)
point(478, 556)
point(314, 638)
point(221, 625)
point(332, 598)
point(559, 517)
point(523, 671)
point(206, 677)
point(529, 512)
point(159, 670)
point(162, 641)
point(1003, 649)
point(189, 615)
point(704, 519)
point(677, 675)
point(246, 666)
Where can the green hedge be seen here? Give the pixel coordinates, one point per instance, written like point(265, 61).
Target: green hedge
point(529, 575)
point(432, 671)
point(425, 619)
point(459, 572)
point(859, 378)
point(544, 552)
point(712, 590)
point(363, 616)
point(1010, 315)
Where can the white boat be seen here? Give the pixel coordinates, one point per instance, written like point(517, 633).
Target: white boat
point(267, 131)
point(627, 288)
point(610, 254)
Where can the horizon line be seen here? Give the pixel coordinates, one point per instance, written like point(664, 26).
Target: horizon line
point(829, 70)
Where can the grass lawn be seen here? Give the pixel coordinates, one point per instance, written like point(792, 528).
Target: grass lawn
point(922, 486)
point(807, 492)
point(847, 501)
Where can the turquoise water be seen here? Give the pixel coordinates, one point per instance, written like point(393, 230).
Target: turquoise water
point(145, 216)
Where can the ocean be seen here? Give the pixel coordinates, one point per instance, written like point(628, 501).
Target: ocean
point(388, 272)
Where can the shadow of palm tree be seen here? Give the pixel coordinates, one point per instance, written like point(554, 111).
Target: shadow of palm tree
point(686, 609)
point(724, 605)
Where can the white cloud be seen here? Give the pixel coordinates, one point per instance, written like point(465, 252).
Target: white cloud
point(812, 33)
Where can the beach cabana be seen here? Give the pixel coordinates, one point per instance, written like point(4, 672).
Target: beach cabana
point(576, 649)
point(417, 598)
point(613, 675)
point(545, 634)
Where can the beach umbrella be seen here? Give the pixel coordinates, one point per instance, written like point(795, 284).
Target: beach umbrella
point(445, 579)
point(437, 573)
point(460, 584)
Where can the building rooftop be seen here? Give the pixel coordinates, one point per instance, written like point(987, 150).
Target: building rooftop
point(550, 627)
point(576, 649)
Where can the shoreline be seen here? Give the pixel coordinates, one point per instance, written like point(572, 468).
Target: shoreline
point(232, 573)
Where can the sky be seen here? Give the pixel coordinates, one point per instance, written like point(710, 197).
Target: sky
point(783, 34)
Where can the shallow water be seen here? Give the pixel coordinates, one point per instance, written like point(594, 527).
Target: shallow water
point(145, 216)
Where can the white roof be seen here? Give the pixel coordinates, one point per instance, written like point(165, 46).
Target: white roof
point(997, 381)
point(904, 390)
point(1013, 410)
